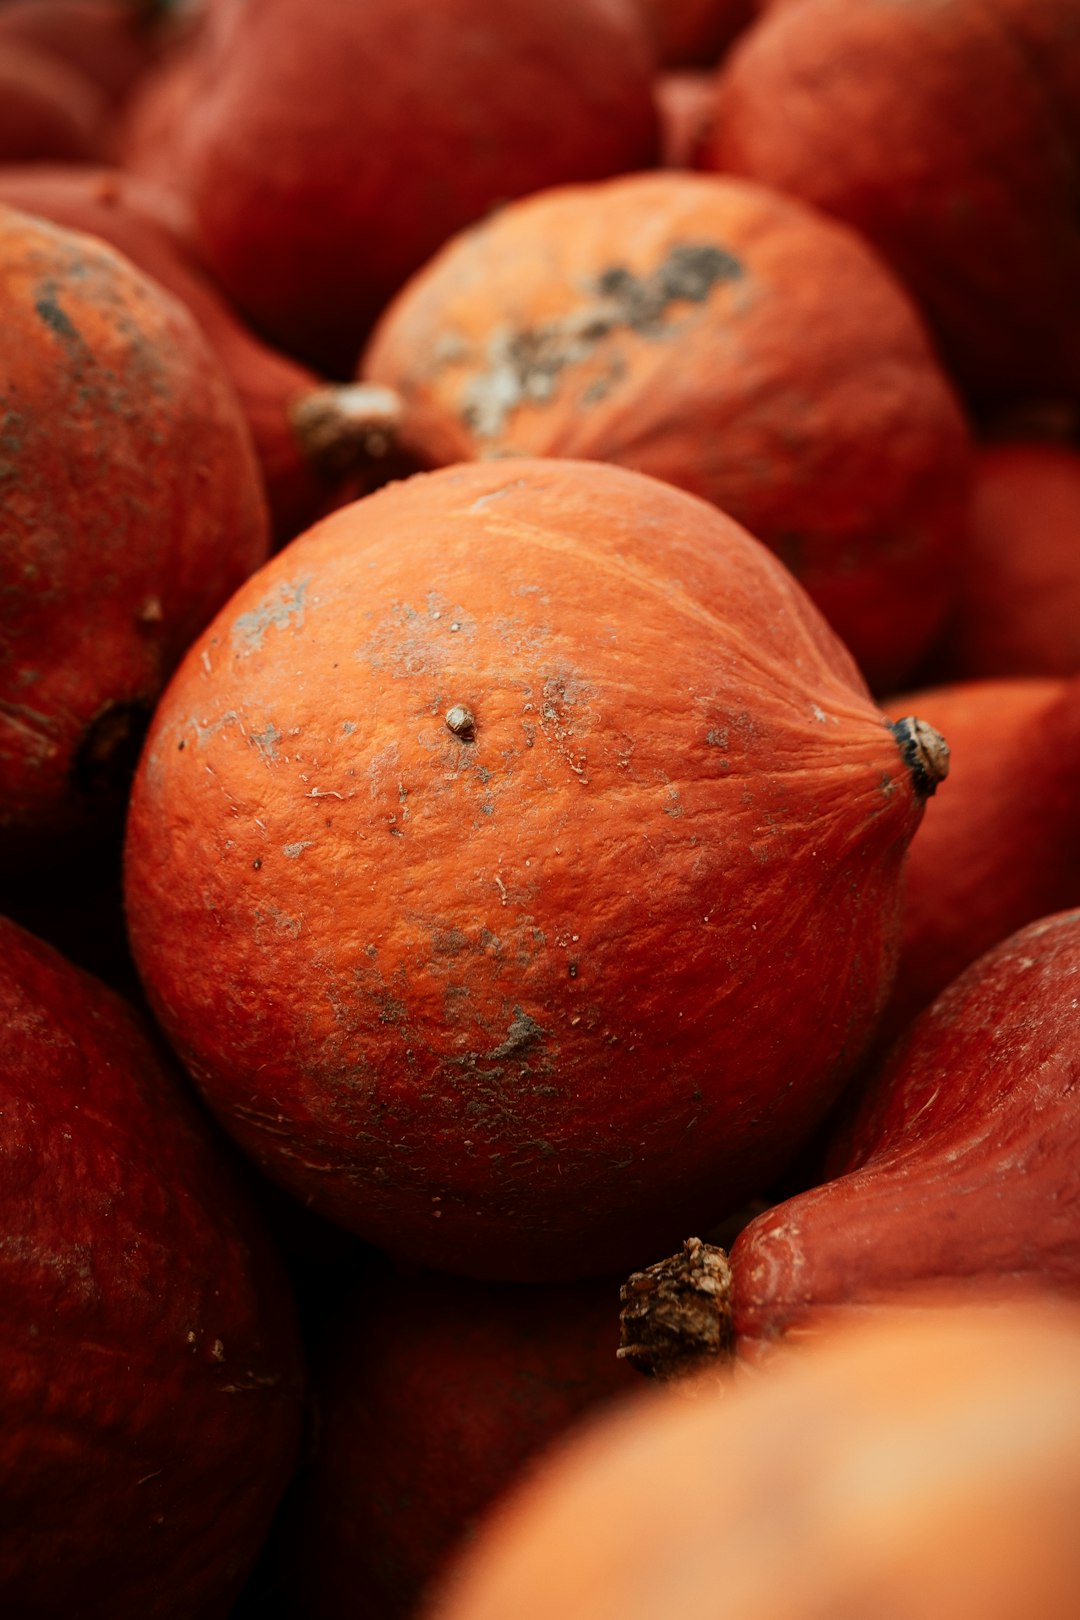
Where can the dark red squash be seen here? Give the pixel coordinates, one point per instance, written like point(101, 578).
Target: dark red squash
point(434, 1394)
point(327, 149)
point(1017, 608)
point(150, 1375)
point(999, 849)
point(946, 131)
point(959, 1166)
point(48, 110)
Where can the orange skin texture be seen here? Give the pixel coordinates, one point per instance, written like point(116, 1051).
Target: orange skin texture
point(150, 1380)
point(434, 1393)
point(509, 1006)
point(999, 849)
point(920, 1463)
point(1018, 602)
point(798, 393)
point(130, 509)
point(877, 111)
point(48, 110)
point(133, 217)
point(327, 152)
point(959, 1165)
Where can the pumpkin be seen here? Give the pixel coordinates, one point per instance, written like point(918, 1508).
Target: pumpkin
point(690, 33)
point(515, 865)
point(959, 1164)
point(47, 109)
point(999, 849)
point(725, 339)
point(130, 508)
point(433, 1393)
point(325, 151)
point(1017, 609)
point(310, 436)
point(877, 112)
point(921, 1463)
point(111, 42)
point(150, 1375)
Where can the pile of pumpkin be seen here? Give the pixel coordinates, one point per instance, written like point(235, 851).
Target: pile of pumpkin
point(475, 476)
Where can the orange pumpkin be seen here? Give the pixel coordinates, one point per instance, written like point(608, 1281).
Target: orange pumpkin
point(725, 339)
point(515, 864)
point(922, 1464)
point(130, 508)
point(309, 435)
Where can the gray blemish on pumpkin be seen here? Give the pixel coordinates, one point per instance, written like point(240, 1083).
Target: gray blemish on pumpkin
point(278, 607)
point(564, 704)
point(13, 434)
point(203, 733)
point(54, 317)
point(266, 741)
point(524, 366)
point(407, 642)
point(522, 1033)
point(295, 850)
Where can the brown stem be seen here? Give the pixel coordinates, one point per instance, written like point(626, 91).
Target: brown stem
point(343, 426)
point(676, 1315)
point(925, 753)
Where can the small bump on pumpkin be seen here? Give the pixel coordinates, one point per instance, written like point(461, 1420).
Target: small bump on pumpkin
point(461, 721)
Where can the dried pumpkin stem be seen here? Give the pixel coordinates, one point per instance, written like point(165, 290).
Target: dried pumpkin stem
point(925, 753)
point(343, 426)
point(676, 1315)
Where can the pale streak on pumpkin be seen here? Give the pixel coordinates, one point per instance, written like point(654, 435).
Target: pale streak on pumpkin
point(629, 860)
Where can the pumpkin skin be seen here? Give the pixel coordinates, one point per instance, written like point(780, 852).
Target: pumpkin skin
point(130, 508)
point(504, 997)
point(326, 151)
point(48, 111)
point(150, 1378)
point(1017, 607)
point(999, 849)
point(301, 472)
point(920, 1464)
point(875, 111)
point(668, 322)
point(959, 1165)
point(694, 33)
point(109, 41)
point(433, 1394)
